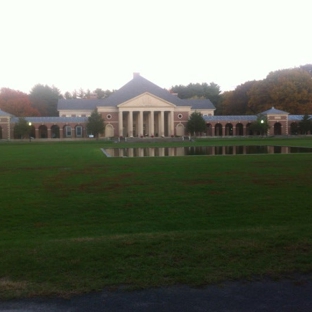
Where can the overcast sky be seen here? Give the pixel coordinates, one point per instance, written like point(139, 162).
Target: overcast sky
point(91, 44)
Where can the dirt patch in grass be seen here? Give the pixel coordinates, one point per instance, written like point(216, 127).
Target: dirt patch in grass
point(6, 284)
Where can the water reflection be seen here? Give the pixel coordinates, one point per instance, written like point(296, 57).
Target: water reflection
point(202, 150)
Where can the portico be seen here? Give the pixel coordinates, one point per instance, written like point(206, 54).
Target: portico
point(134, 122)
point(146, 115)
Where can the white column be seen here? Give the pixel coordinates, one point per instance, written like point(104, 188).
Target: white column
point(162, 123)
point(140, 133)
point(130, 124)
point(151, 124)
point(171, 123)
point(120, 123)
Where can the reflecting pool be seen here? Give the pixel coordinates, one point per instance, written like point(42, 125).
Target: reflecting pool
point(202, 150)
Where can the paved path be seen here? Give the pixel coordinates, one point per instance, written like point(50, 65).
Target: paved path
point(286, 295)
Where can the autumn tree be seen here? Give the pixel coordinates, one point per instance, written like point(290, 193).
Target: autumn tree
point(291, 90)
point(236, 102)
point(45, 99)
point(307, 68)
point(95, 124)
point(259, 99)
point(196, 123)
point(16, 103)
point(288, 89)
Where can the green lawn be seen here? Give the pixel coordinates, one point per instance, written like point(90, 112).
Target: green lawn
point(72, 220)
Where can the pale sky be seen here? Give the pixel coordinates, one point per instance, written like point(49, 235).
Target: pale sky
point(91, 44)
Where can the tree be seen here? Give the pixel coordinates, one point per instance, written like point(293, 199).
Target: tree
point(88, 94)
point(236, 102)
point(16, 103)
point(200, 91)
point(196, 123)
point(75, 94)
point(95, 124)
point(81, 94)
point(260, 126)
point(307, 68)
point(290, 90)
point(305, 125)
point(21, 128)
point(67, 95)
point(259, 99)
point(101, 94)
point(45, 99)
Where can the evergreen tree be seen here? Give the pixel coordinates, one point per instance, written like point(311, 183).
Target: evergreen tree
point(21, 128)
point(95, 124)
point(196, 123)
point(260, 126)
point(305, 125)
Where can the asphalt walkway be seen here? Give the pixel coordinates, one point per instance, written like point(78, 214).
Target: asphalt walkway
point(286, 295)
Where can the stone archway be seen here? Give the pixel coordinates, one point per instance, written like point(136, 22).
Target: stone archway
point(180, 130)
point(218, 129)
point(228, 129)
point(209, 129)
point(109, 131)
point(277, 128)
point(248, 131)
point(43, 132)
point(294, 128)
point(55, 132)
point(33, 131)
point(239, 129)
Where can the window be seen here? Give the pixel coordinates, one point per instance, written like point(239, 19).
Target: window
point(78, 131)
point(180, 116)
point(109, 116)
point(68, 131)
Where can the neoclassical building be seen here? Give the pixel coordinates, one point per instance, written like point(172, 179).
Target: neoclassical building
point(142, 109)
point(139, 109)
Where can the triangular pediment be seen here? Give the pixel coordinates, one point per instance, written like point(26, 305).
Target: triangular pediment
point(146, 100)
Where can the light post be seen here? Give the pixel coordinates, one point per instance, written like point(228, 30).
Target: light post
point(29, 124)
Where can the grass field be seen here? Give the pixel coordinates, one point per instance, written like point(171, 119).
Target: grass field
point(73, 221)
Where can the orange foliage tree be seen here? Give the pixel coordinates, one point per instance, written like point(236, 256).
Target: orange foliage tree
point(16, 103)
point(288, 89)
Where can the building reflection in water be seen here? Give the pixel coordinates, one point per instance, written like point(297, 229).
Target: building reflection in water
point(203, 150)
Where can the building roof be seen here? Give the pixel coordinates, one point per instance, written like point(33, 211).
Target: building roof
point(53, 119)
point(237, 118)
point(3, 113)
point(79, 104)
point(296, 117)
point(135, 87)
point(274, 111)
point(199, 103)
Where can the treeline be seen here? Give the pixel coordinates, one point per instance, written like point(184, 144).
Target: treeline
point(288, 89)
point(42, 100)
